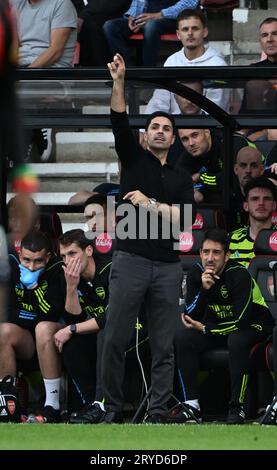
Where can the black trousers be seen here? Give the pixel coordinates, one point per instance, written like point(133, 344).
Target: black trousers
point(134, 279)
point(80, 359)
point(94, 48)
point(191, 343)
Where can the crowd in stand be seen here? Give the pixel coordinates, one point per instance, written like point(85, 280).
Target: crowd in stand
point(79, 302)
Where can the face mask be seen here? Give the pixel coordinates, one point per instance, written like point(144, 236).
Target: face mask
point(29, 278)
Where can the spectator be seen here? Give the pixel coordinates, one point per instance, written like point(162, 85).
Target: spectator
point(192, 31)
point(260, 203)
point(184, 106)
point(47, 38)
point(92, 14)
point(260, 95)
point(155, 268)
point(153, 18)
point(35, 307)
point(86, 277)
point(248, 165)
point(224, 307)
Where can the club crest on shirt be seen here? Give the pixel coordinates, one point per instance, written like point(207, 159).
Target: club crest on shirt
point(224, 292)
point(100, 291)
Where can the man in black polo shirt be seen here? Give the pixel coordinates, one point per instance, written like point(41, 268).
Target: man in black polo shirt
point(260, 95)
point(143, 267)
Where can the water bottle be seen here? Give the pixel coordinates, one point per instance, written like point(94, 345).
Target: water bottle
point(38, 419)
point(31, 418)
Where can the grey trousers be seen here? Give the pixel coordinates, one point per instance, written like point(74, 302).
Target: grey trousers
point(133, 280)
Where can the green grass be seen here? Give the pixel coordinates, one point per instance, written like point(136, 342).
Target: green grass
point(137, 437)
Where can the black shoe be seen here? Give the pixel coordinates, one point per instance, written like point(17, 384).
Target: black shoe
point(269, 417)
point(236, 414)
point(48, 415)
point(183, 413)
point(112, 417)
point(90, 414)
point(156, 418)
point(43, 140)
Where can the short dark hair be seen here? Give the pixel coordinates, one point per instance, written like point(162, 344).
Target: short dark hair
point(36, 241)
point(101, 199)
point(191, 82)
point(218, 235)
point(260, 182)
point(189, 12)
point(163, 114)
point(270, 19)
point(76, 236)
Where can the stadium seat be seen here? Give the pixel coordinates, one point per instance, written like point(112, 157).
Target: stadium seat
point(137, 39)
point(263, 266)
point(207, 217)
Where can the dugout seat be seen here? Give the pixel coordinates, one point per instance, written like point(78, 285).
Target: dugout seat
point(263, 268)
point(207, 217)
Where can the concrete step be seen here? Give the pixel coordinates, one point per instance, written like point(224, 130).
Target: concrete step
point(48, 198)
point(68, 177)
point(85, 146)
point(73, 170)
point(59, 178)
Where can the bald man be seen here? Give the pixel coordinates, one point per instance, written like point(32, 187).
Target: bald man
point(248, 165)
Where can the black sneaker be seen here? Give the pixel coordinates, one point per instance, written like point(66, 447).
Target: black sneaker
point(48, 415)
point(156, 418)
point(90, 414)
point(112, 417)
point(43, 140)
point(269, 417)
point(236, 414)
point(183, 413)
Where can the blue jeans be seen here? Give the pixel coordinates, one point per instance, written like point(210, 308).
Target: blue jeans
point(117, 34)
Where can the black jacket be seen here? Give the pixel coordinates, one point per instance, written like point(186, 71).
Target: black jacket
point(234, 302)
point(93, 294)
point(27, 307)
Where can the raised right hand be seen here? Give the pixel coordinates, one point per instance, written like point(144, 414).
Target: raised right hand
point(117, 67)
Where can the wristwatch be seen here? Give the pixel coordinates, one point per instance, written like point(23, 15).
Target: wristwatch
point(73, 329)
point(151, 203)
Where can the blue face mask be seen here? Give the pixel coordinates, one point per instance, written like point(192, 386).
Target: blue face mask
point(29, 278)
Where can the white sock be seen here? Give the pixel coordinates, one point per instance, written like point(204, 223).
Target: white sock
point(100, 404)
point(275, 406)
point(52, 389)
point(193, 403)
